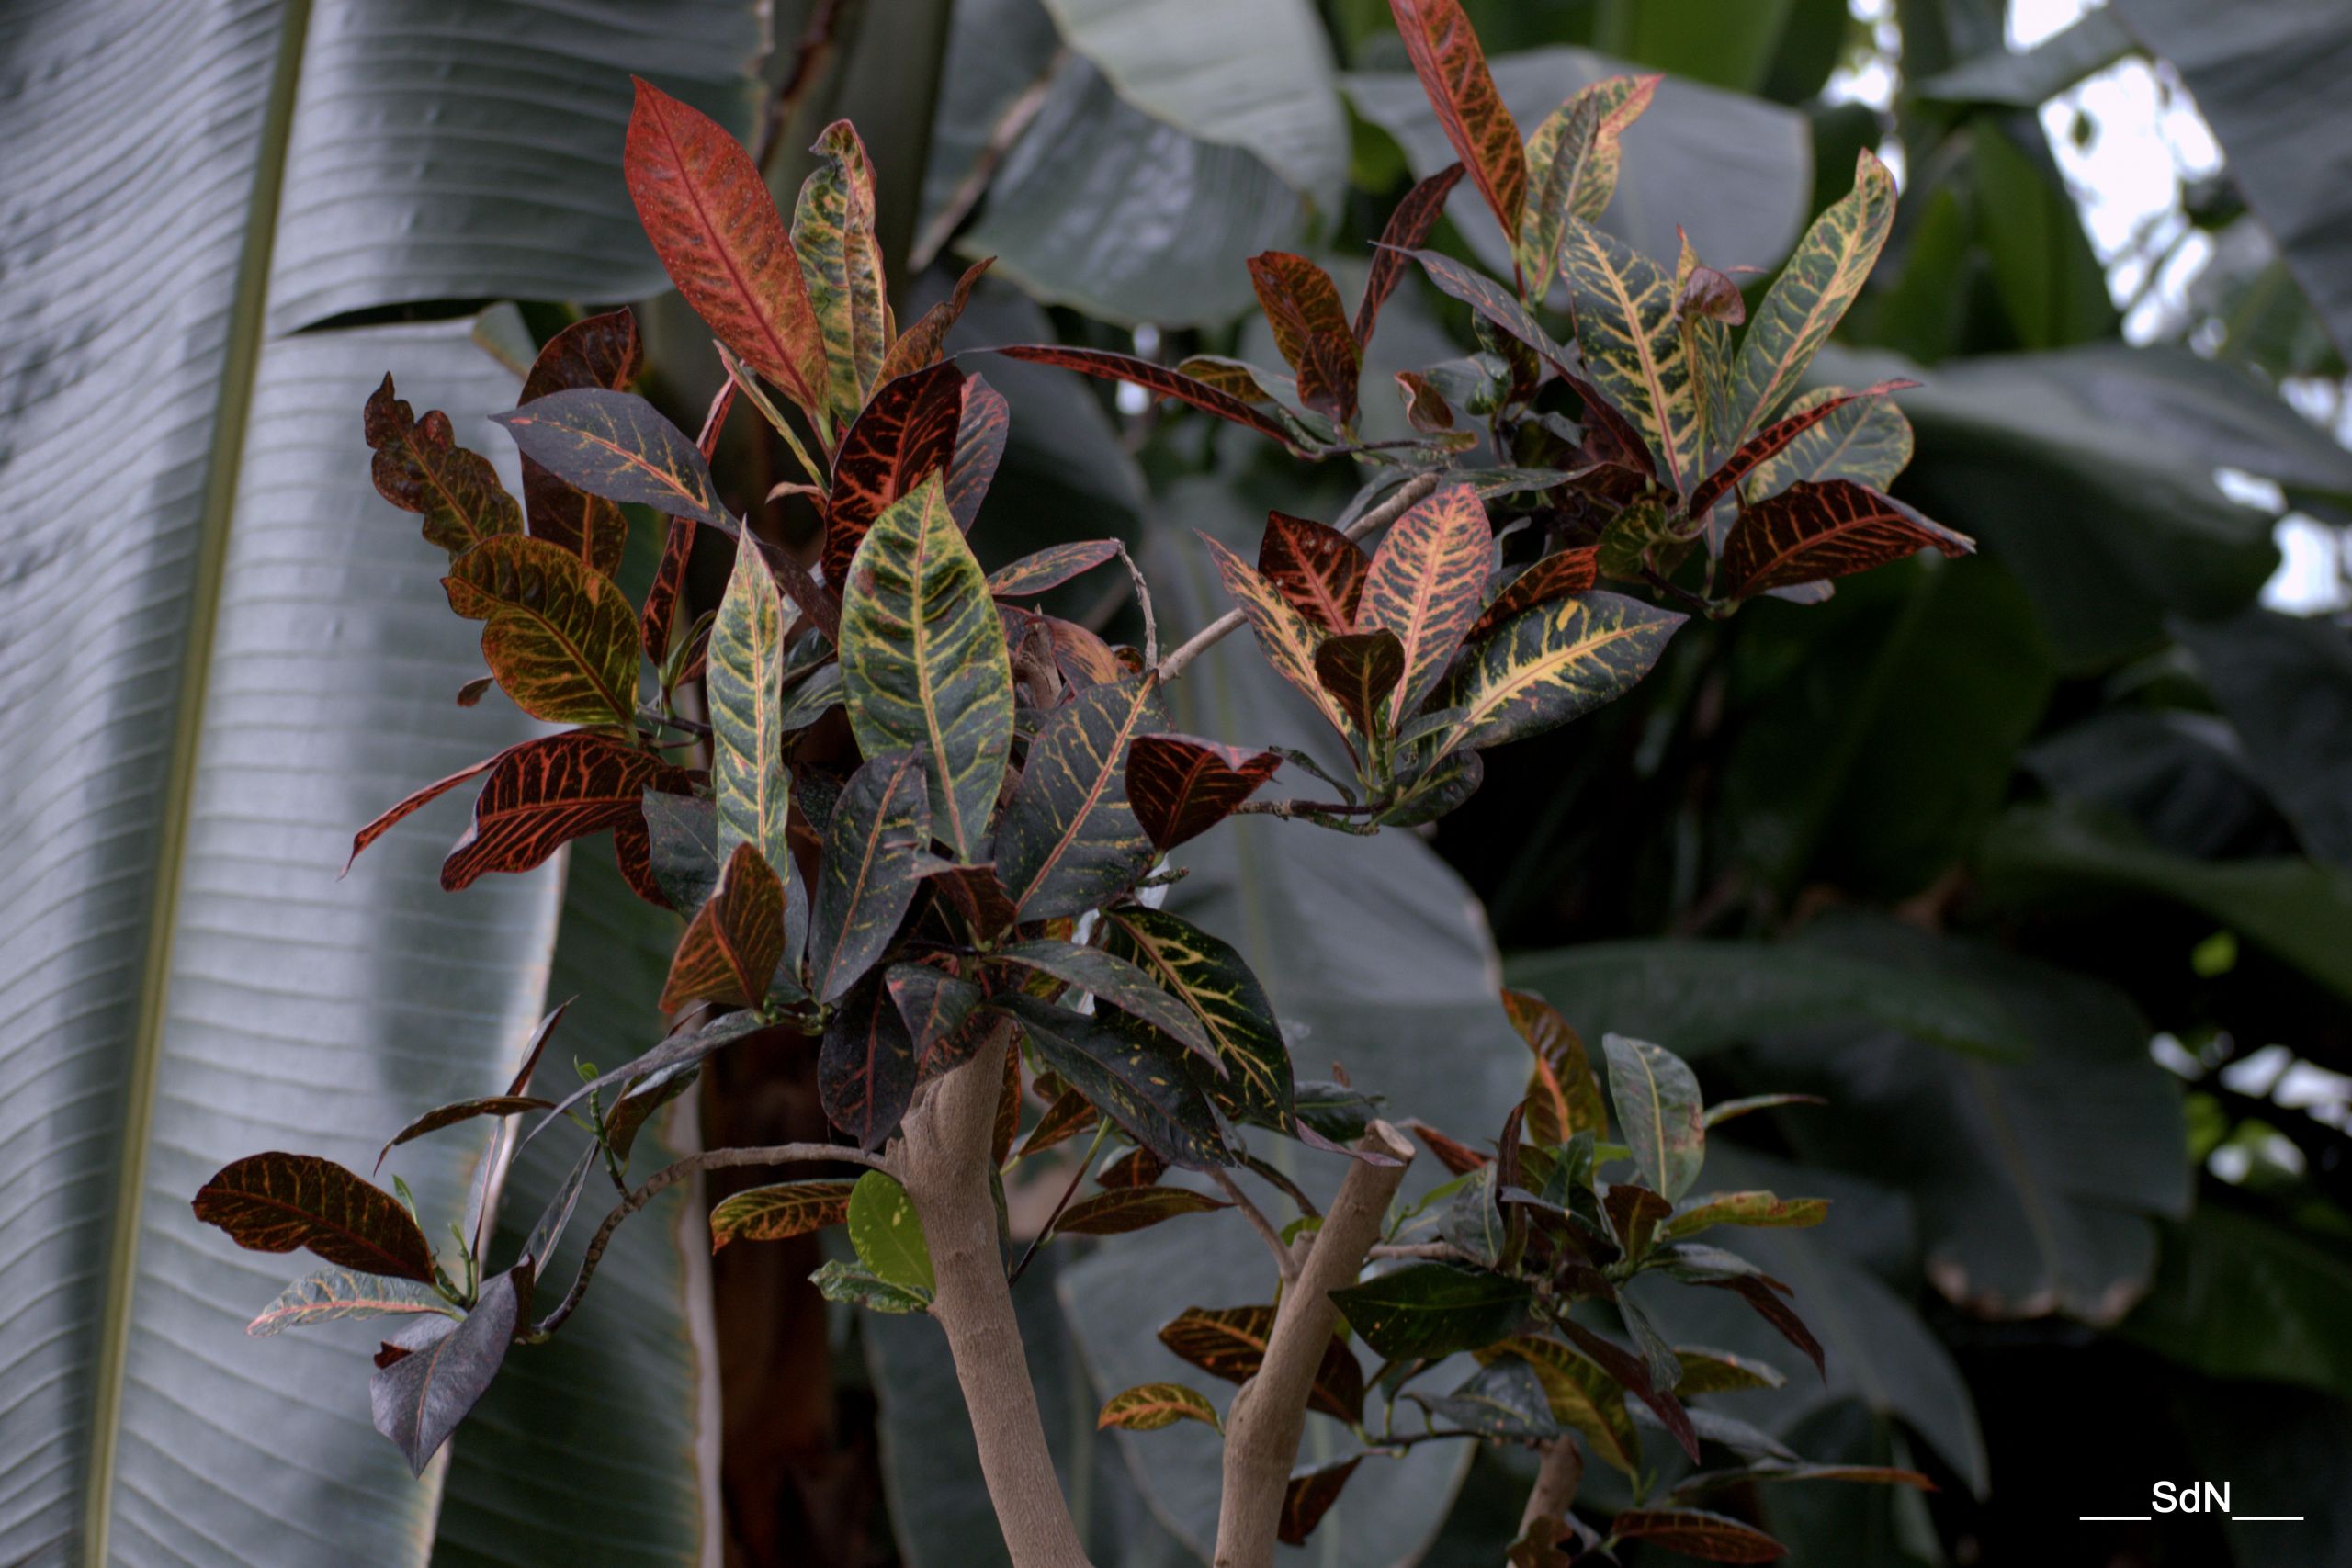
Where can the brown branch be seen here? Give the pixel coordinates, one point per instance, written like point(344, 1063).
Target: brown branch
point(810, 53)
point(1409, 494)
point(669, 1176)
point(944, 1165)
point(1283, 1263)
point(1556, 1481)
point(1269, 1412)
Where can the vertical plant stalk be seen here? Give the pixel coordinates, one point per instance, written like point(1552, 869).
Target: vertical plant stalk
point(1556, 1482)
point(1269, 1414)
point(945, 1167)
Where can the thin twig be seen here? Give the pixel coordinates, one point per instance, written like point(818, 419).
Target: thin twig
point(1442, 1252)
point(670, 1176)
point(1409, 494)
point(1046, 1233)
point(1302, 808)
point(1258, 1222)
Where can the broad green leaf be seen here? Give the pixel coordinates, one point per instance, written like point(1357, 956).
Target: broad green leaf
point(2222, 1272)
point(875, 843)
point(1634, 346)
point(723, 243)
point(2285, 685)
point(1132, 1209)
point(617, 445)
point(1432, 1309)
point(841, 266)
point(276, 1203)
point(1866, 440)
point(1658, 1112)
point(1115, 982)
point(562, 640)
point(1069, 841)
point(1572, 162)
point(923, 663)
point(1210, 978)
point(1127, 1072)
point(887, 1235)
point(1424, 586)
point(1554, 663)
point(1147, 1407)
point(1452, 66)
point(778, 1212)
point(333, 1293)
point(1810, 297)
point(743, 687)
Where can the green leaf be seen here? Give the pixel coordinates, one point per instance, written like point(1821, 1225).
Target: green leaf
point(1810, 297)
point(839, 1282)
point(1582, 1397)
point(2285, 685)
point(1658, 1112)
point(743, 687)
point(841, 264)
point(1210, 978)
point(923, 661)
point(1864, 439)
point(1552, 664)
point(1634, 346)
point(875, 842)
point(276, 1203)
point(1572, 162)
point(1432, 1310)
point(562, 640)
point(334, 1293)
point(1115, 982)
point(778, 1212)
point(2222, 1272)
point(1128, 1073)
point(1504, 1399)
point(887, 1235)
point(617, 445)
point(1069, 841)
point(1148, 1406)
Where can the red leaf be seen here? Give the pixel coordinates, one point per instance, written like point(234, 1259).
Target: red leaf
point(1302, 305)
point(1453, 69)
point(1830, 529)
point(1555, 577)
point(1408, 228)
point(1308, 1496)
point(410, 804)
point(276, 1203)
point(678, 548)
point(1778, 1313)
point(865, 1070)
point(977, 894)
point(1633, 1374)
point(1451, 1153)
point(1317, 568)
point(1157, 378)
point(1361, 670)
point(981, 434)
point(907, 432)
point(599, 350)
point(1694, 1532)
point(1769, 442)
point(1180, 786)
point(734, 942)
point(546, 793)
point(722, 241)
point(420, 467)
point(1423, 585)
point(922, 343)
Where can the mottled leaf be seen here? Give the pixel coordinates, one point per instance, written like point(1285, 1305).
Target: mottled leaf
point(418, 1400)
point(1572, 161)
point(732, 946)
point(981, 431)
point(875, 845)
point(1423, 585)
point(1552, 664)
point(1805, 416)
point(1694, 1532)
point(617, 445)
point(1436, 791)
point(905, 435)
point(1156, 378)
point(1432, 1310)
point(1112, 981)
point(722, 241)
point(1555, 576)
point(1132, 1209)
point(865, 1069)
point(1583, 1397)
point(1180, 787)
point(1633, 350)
point(1287, 639)
point(1211, 979)
point(1408, 229)
point(1809, 531)
point(1864, 439)
point(1658, 1111)
point(1744, 1209)
point(1069, 841)
point(1302, 304)
point(1453, 70)
point(743, 687)
point(276, 1203)
point(1318, 570)
point(562, 640)
point(420, 467)
point(544, 793)
point(1147, 1407)
point(1809, 298)
point(1050, 567)
point(937, 1007)
point(333, 1293)
point(598, 351)
point(1360, 670)
point(923, 663)
point(925, 339)
point(1230, 1343)
point(778, 1212)
point(1133, 1074)
point(841, 267)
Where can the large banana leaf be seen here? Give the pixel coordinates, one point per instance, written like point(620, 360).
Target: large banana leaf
point(223, 654)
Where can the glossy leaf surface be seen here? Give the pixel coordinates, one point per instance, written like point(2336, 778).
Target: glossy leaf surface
point(1210, 978)
point(1133, 1075)
point(596, 351)
point(1318, 569)
point(1453, 69)
point(1423, 585)
point(543, 793)
point(1432, 1309)
point(419, 1399)
point(617, 445)
point(1658, 1112)
point(1811, 295)
point(906, 432)
point(874, 844)
point(841, 264)
point(1833, 529)
point(1552, 664)
point(865, 1070)
point(1180, 787)
point(1069, 839)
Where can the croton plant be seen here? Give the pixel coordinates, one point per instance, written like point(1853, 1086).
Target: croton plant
point(949, 893)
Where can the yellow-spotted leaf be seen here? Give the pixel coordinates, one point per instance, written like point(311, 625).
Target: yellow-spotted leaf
point(1209, 977)
point(841, 264)
point(1446, 56)
point(923, 661)
point(779, 1212)
point(1634, 346)
point(1148, 1406)
point(743, 683)
point(1811, 295)
point(887, 1233)
point(1572, 162)
point(562, 640)
point(1424, 586)
point(1287, 638)
point(1557, 662)
point(1069, 841)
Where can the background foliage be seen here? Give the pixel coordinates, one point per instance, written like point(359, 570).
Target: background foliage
point(2034, 863)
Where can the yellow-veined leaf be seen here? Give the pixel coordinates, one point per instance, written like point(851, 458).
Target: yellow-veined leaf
point(1572, 162)
point(1811, 295)
point(1287, 638)
point(1634, 346)
point(743, 683)
point(1557, 662)
point(1146, 1407)
point(780, 1211)
point(1424, 586)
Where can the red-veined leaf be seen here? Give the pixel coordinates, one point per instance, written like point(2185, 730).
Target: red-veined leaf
point(1694, 1532)
point(1634, 347)
point(420, 467)
point(1287, 638)
point(1813, 531)
point(981, 429)
point(1562, 1098)
point(1180, 786)
point(865, 1069)
point(1137, 1167)
point(906, 432)
point(1408, 229)
point(937, 1006)
point(1069, 841)
point(1147, 1407)
point(1452, 68)
point(977, 894)
point(1319, 571)
point(1552, 664)
point(734, 942)
point(925, 341)
point(1555, 576)
point(1156, 378)
point(1360, 670)
point(562, 640)
point(1809, 298)
point(278, 1202)
point(543, 793)
point(1230, 1343)
point(334, 1293)
point(875, 842)
point(1132, 1209)
point(1065, 1118)
point(1866, 440)
point(599, 350)
point(1774, 438)
point(678, 547)
point(1309, 1494)
point(1050, 567)
point(1423, 586)
point(410, 805)
point(617, 445)
point(1311, 329)
point(779, 1212)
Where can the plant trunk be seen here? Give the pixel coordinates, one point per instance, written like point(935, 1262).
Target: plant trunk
point(1556, 1482)
point(946, 1170)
